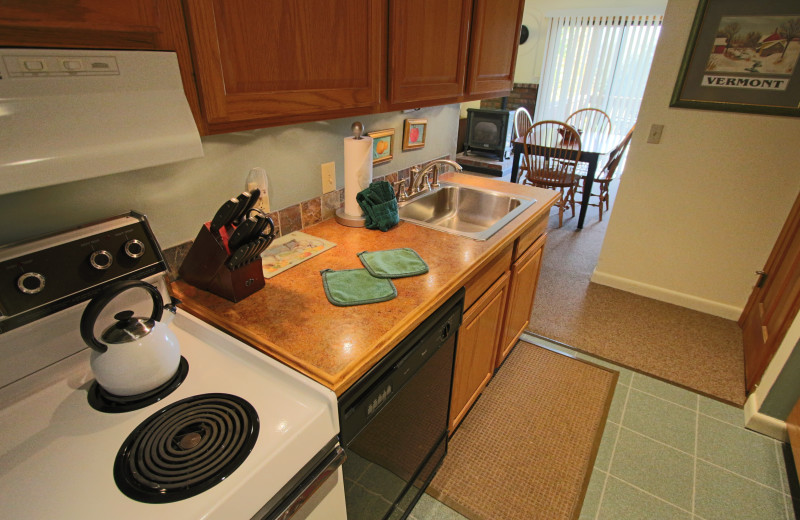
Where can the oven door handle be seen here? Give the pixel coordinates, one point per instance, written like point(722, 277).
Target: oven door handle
point(305, 491)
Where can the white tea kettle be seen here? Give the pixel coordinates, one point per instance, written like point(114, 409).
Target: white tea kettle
point(136, 354)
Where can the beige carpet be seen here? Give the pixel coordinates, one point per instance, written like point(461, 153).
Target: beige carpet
point(694, 350)
point(526, 449)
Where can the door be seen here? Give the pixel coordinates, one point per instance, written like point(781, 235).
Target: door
point(428, 50)
point(522, 290)
point(493, 46)
point(478, 340)
point(774, 302)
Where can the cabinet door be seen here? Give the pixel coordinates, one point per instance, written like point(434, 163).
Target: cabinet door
point(478, 339)
point(522, 291)
point(267, 62)
point(493, 46)
point(428, 43)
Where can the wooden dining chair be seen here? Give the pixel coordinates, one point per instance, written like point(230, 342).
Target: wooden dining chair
point(609, 172)
point(590, 120)
point(522, 121)
point(551, 152)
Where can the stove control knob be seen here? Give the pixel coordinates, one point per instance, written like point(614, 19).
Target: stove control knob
point(134, 248)
point(101, 260)
point(31, 283)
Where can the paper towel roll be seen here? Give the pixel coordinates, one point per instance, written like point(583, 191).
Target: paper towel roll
point(357, 171)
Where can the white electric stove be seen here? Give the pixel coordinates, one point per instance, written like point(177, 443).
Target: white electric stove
point(235, 435)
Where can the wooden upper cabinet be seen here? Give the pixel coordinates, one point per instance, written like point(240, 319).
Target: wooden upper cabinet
point(493, 46)
point(156, 25)
point(135, 24)
point(267, 62)
point(428, 42)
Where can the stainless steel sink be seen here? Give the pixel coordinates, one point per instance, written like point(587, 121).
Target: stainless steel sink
point(461, 210)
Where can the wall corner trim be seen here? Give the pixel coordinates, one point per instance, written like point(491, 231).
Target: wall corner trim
point(762, 423)
point(689, 301)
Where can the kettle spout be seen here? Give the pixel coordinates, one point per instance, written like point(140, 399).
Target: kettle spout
point(172, 307)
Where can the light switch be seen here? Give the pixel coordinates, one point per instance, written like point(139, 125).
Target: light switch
point(654, 137)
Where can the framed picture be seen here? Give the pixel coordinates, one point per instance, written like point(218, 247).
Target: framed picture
point(742, 56)
point(414, 133)
point(382, 145)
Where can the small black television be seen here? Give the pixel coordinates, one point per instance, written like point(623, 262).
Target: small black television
point(489, 131)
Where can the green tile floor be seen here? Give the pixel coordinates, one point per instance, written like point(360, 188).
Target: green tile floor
point(668, 453)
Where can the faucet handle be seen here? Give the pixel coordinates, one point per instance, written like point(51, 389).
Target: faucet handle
point(400, 190)
point(435, 182)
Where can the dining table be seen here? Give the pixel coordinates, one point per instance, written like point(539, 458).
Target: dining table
point(593, 145)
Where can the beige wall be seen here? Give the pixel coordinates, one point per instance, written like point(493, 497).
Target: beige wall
point(696, 215)
point(178, 198)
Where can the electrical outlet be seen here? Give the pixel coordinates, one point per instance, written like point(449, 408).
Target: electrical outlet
point(654, 137)
point(328, 177)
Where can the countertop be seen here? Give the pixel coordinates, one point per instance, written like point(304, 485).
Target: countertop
point(291, 320)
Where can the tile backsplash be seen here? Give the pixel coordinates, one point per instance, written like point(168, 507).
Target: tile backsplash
point(292, 218)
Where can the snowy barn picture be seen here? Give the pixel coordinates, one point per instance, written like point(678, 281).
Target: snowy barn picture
point(755, 45)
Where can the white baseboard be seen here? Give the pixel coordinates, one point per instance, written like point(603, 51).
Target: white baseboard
point(722, 310)
point(761, 423)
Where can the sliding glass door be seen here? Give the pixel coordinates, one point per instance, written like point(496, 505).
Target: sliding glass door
point(597, 62)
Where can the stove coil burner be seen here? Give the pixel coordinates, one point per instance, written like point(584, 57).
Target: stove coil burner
point(104, 401)
point(186, 448)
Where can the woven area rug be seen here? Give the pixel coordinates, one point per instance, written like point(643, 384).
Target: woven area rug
point(527, 447)
point(698, 351)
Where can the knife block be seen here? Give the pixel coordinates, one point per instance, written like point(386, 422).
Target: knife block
point(204, 267)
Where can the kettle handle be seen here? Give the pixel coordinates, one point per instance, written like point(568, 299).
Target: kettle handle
point(99, 302)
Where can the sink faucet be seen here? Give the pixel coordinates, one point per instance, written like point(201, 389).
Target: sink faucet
point(419, 176)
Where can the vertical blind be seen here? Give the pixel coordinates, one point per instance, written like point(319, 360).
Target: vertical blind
point(597, 62)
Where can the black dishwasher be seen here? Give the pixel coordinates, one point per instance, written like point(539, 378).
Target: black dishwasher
point(394, 419)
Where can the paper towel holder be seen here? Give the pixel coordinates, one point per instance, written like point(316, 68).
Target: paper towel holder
point(358, 130)
point(350, 220)
point(343, 218)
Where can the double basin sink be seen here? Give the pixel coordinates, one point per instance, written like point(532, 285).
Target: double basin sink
point(461, 210)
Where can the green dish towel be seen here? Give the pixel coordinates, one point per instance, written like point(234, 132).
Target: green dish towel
point(356, 287)
point(393, 263)
point(379, 205)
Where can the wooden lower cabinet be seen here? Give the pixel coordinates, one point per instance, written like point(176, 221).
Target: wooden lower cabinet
point(476, 351)
point(521, 293)
point(498, 305)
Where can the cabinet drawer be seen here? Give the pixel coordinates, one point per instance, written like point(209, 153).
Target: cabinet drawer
point(529, 236)
point(487, 276)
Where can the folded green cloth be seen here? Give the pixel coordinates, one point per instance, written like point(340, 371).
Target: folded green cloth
point(393, 263)
point(356, 287)
point(379, 205)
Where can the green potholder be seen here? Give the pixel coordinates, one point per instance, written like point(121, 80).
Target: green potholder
point(393, 263)
point(356, 287)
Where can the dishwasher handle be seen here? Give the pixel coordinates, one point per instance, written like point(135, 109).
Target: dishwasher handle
point(307, 489)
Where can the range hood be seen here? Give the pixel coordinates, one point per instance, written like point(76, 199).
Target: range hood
point(67, 115)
